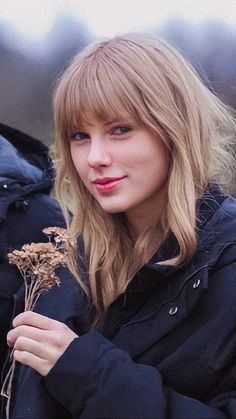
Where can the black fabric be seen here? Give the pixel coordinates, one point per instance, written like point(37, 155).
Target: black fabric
point(25, 209)
point(167, 346)
point(141, 288)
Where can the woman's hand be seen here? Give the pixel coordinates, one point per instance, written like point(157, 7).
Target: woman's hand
point(38, 341)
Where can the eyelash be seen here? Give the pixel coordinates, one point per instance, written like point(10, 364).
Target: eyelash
point(73, 136)
point(113, 132)
point(121, 127)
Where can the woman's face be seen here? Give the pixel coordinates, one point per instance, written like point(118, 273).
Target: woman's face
point(124, 166)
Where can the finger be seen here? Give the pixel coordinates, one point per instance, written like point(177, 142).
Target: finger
point(31, 318)
point(27, 331)
point(29, 345)
point(40, 365)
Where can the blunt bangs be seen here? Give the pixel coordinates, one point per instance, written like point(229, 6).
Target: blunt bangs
point(96, 90)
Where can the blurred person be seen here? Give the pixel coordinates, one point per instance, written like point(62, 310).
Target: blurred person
point(143, 151)
point(26, 180)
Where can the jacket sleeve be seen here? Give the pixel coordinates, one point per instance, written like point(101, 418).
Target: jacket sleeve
point(95, 379)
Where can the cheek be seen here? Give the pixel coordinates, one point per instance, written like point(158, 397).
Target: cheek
point(75, 163)
point(156, 170)
point(156, 163)
point(79, 162)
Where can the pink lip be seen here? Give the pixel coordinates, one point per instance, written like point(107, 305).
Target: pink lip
point(107, 184)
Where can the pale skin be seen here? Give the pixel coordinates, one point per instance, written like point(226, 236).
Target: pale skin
point(39, 341)
point(120, 149)
point(123, 148)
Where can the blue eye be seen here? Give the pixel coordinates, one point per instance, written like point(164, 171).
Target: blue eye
point(79, 136)
point(121, 130)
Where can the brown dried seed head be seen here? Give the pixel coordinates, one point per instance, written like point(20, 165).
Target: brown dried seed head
point(58, 232)
point(38, 261)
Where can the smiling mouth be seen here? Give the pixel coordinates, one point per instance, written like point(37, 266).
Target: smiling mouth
point(107, 184)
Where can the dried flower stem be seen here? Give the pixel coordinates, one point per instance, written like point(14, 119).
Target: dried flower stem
point(37, 263)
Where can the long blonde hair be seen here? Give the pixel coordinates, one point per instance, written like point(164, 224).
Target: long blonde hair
point(151, 82)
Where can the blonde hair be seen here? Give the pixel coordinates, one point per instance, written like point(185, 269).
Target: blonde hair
point(151, 82)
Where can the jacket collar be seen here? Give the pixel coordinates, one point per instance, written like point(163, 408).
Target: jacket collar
point(153, 275)
point(177, 289)
point(165, 283)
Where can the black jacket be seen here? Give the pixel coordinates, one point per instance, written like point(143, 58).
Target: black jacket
point(26, 178)
point(167, 348)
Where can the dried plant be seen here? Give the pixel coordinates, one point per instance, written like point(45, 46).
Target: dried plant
point(37, 263)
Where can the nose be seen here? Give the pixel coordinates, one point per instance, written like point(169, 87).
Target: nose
point(98, 153)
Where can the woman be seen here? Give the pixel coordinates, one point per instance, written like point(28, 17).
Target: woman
point(143, 155)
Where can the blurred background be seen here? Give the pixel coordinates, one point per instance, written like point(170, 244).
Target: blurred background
point(38, 38)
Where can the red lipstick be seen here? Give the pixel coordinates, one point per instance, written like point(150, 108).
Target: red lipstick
point(107, 184)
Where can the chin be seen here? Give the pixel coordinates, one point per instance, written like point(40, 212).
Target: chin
point(113, 209)
point(113, 206)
